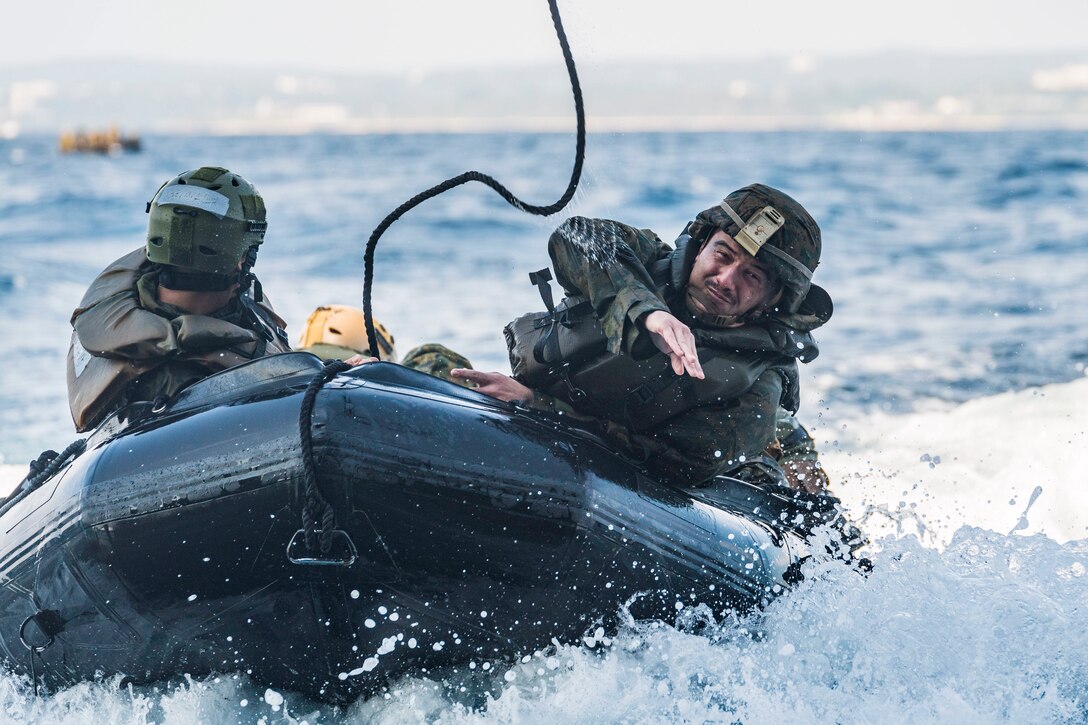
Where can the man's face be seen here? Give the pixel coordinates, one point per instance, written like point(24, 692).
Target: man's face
point(727, 281)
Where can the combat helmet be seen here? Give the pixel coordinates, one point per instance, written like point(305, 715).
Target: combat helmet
point(774, 228)
point(201, 223)
point(341, 326)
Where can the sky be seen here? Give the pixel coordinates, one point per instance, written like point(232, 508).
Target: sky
point(400, 36)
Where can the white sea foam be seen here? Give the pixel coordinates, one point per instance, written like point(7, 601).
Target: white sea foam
point(10, 475)
point(975, 464)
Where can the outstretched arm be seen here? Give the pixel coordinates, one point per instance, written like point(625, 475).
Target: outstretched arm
point(674, 338)
point(496, 385)
point(607, 262)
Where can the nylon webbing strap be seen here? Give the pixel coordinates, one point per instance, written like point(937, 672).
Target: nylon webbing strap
point(732, 214)
point(741, 224)
point(383, 342)
point(547, 347)
point(646, 392)
point(801, 269)
point(541, 278)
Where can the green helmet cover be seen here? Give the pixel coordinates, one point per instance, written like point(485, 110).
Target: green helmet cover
point(798, 238)
point(205, 220)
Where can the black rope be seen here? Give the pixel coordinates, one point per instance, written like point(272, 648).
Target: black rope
point(314, 504)
point(39, 473)
point(42, 468)
point(506, 194)
point(33, 672)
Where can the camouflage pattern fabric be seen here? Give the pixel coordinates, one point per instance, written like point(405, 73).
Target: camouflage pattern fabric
point(606, 261)
point(437, 360)
point(609, 263)
point(796, 453)
point(329, 352)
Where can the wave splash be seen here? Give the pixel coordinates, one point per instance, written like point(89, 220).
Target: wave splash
point(956, 622)
point(990, 629)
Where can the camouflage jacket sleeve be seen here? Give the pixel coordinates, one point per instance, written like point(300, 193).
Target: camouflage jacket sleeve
point(699, 444)
point(607, 262)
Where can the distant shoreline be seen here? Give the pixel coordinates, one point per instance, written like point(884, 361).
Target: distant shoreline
point(645, 124)
point(904, 91)
point(414, 127)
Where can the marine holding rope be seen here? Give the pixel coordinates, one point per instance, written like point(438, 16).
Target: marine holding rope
point(173, 312)
point(682, 357)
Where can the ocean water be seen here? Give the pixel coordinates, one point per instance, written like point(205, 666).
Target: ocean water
point(949, 400)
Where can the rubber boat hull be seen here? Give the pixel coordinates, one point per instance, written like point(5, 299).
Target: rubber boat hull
point(466, 530)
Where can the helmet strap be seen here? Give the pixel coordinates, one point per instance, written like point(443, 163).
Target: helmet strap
point(727, 321)
point(246, 276)
point(176, 278)
point(754, 234)
point(721, 321)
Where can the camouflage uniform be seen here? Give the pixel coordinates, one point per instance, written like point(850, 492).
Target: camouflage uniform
point(329, 352)
point(437, 360)
point(432, 359)
point(691, 448)
point(796, 453)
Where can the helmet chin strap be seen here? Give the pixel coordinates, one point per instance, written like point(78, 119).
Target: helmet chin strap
point(719, 320)
point(709, 319)
point(246, 276)
point(176, 278)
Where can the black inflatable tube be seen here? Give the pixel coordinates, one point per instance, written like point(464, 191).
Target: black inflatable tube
point(468, 529)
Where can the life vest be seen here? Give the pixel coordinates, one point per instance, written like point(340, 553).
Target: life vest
point(115, 340)
point(563, 352)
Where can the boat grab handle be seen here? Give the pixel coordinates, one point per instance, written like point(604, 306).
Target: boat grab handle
point(48, 625)
point(342, 552)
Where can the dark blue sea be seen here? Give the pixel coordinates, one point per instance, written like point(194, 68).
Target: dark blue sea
point(948, 400)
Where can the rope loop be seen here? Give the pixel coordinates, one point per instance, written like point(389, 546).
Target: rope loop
point(506, 194)
point(315, 505)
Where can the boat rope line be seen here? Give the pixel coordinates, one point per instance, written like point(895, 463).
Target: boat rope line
point(49, 625)
point(315, 505)
point(506, 194)
point(42, 469)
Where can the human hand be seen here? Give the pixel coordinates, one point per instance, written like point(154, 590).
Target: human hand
point(360, 360)
point(496, 385)
point(674, 338)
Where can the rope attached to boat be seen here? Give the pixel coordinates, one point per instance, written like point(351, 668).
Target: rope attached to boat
point(46, 465)
point(315, 505)
point(506, 194)
point(42, 469)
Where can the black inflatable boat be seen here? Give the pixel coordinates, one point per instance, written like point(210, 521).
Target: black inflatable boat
point(448, 527)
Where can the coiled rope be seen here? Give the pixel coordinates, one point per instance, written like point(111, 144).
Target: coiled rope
point(506, 194)
point(315, 505)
